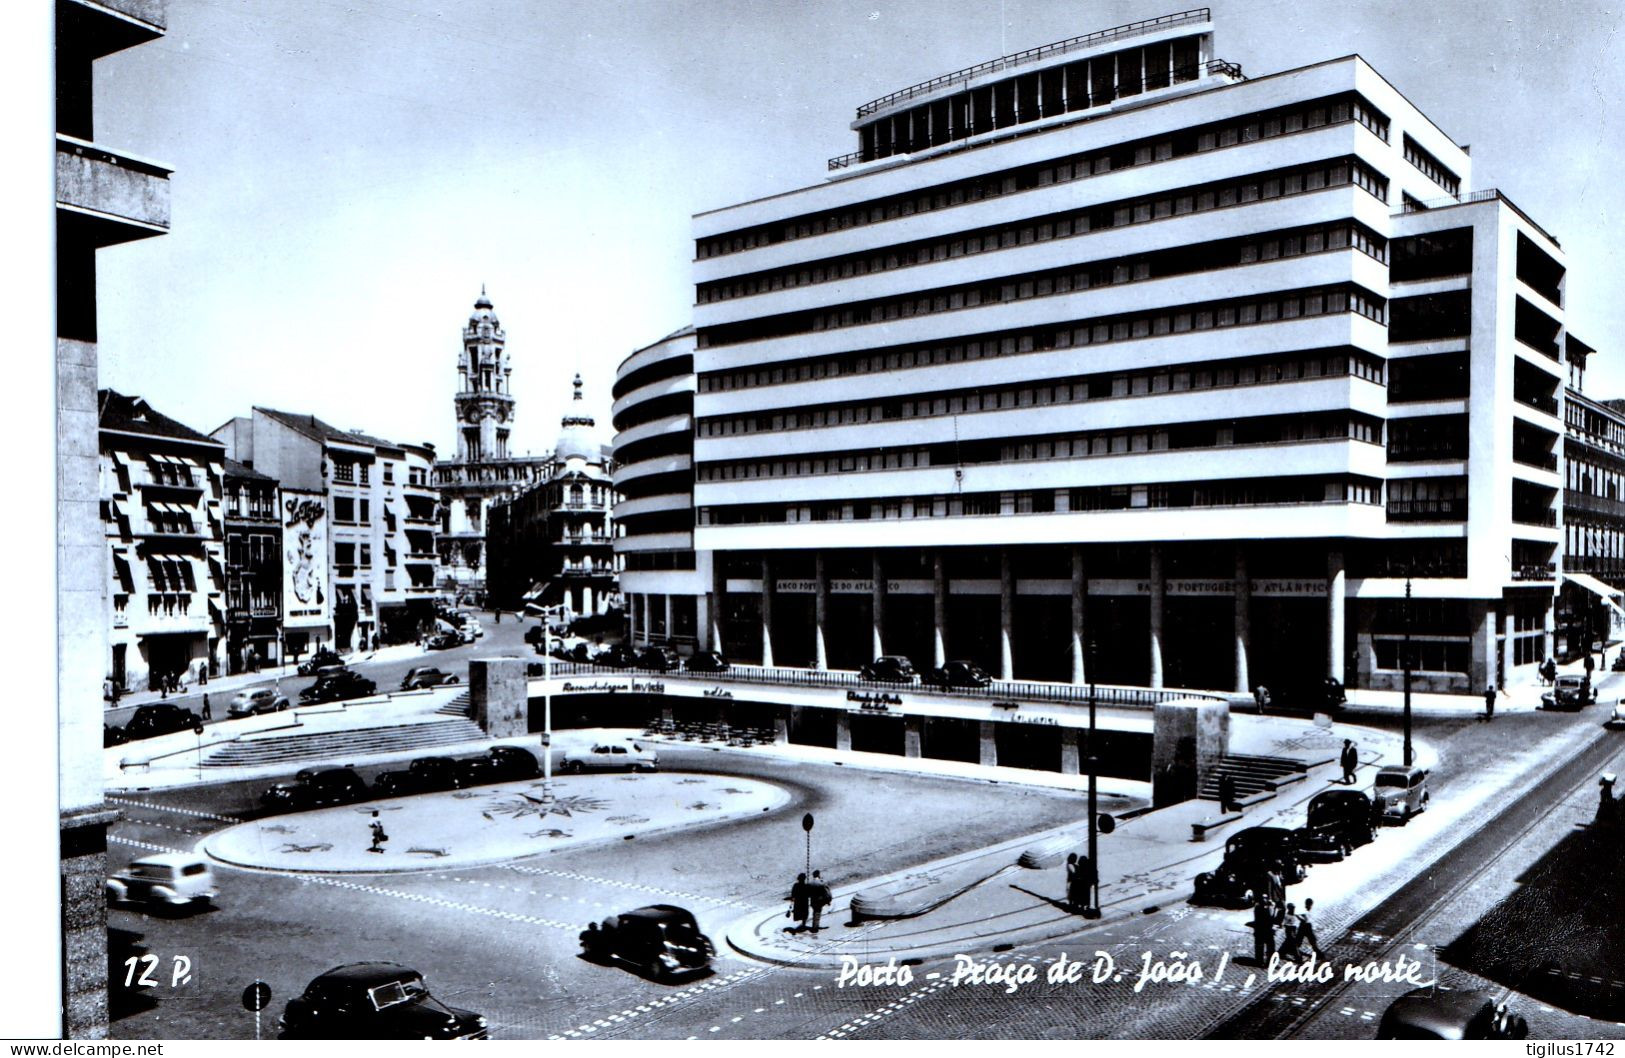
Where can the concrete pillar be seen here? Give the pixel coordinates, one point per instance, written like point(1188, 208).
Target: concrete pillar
point(587, 603)
point(767, 613)
point(667, 598)
point(1508, 642)
point(1365, 650)
point(1244, 622)
point(1007, 614)
point(1482, 671)
point(1069, 751)
point(1548, 639)
point(989, 746)
point(820, 612)
point(877, 604)
point(1336, 614)
point(714, 602)
point(632, 622)
point(781, 726)
point(1157, 589)
point(939, 611)
point(843, 732)
point(646, 636)
point(499, 693)
point(1188, 738)
point(1079, 590)
point(913, 731)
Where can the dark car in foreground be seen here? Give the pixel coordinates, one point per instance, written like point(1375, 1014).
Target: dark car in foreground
point(958, 674)
point(1339, 822)
point(889, 668)
point(500, 764)
point(376, 1001)
point(316, 788)
point(150, 721)
point(338, 687)
point(1248, 856)
point(320, 659)
point(424, 676)
point(661, 940)
point(708, 661)
point(1435, 1013)
point(113, 736)
point(423, 775)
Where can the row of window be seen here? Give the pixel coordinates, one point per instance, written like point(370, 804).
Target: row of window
point(168, 470)
point(1594, 479)
point(1431, 167)
point(250, 502)
point(169, 518)
point(1223, 195)
point(1160, 264)
point(351, 472)
point(1248, 128)
point(171, 574)
point(1427, 499)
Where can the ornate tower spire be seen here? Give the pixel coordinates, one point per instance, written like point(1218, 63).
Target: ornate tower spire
point(485, 404)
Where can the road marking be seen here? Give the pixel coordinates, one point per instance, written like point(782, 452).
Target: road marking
point(476, 909)
point(619, 884)
point(135, 802)
point(143, 844)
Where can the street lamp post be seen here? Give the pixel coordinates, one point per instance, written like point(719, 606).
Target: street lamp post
point(547, 711)
point(1093, 910)
point(1407, 661)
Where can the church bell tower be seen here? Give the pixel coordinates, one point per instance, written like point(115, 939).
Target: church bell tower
point(485, 405)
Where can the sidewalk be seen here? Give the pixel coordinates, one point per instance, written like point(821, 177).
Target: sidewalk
point(990, 898)
point(1520, 696)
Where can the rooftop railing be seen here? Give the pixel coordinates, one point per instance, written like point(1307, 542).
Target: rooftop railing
point(1132, 29)
point(1488, 193)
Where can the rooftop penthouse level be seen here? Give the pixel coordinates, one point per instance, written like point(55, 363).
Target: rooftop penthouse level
point(1043, 84)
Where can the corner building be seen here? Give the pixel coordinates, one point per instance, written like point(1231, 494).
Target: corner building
point(1103, 361)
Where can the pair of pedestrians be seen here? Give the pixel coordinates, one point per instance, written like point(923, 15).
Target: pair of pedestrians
point(1297, 931)
point(1081, 880)
point(808, 896)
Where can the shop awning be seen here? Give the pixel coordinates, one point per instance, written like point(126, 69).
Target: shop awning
point(1609, 595)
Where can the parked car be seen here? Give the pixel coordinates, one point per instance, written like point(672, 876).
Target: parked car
point(610, 755)
point(708, 661)
point(1248, 855)
point(444, 641)
point(662, 940)
point(660, 659)
point(1310, 694)
point(535, 634)
point(423, 775)
point(1434, 1013)
point(619, 656)
point(113, 736)
point(500, 764)
point(338, 687)
point(150, 721)
point(165, 879)
point(426, 676)
point(376, 1001)
point(1339, 822)
point(1569, 692)
point(317, 660)
point(1400, 791)
point(254, 702)
point(958, 674)
point(889, 668)
point(473, 627)
point(571, 648)
point(1615, 718)
point(316, 788)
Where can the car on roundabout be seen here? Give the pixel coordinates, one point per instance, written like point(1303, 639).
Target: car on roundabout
point(164, 879)
point(1339, 821)
point(338, 687)
point(256, 701)
point(609, 756)
point(317, 660)
point(662, 941)
point(889, 668)
point(1436, 1013)
point(1248, 856)
point(423, 677)
point(1400, 791)
point(958, 674)
point(423, 775)
point(376, 1001)
point(499, 764)
point(316, 788)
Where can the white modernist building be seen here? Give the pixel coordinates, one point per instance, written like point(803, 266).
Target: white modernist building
point(1105, 361)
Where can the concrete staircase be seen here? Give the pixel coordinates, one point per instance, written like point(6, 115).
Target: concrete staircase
point(339, 745)
point(462, 705)
point(1252, 774)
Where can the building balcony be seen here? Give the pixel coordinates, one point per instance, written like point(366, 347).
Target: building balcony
point(1535, 572)
point(420, 589)
point(417, 557)
point(109, 197)
point(1586, 503)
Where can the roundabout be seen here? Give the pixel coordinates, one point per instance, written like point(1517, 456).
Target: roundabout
point(490, 824)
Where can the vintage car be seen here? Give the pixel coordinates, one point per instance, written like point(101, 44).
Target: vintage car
point(256, 701)
point(1400, 791)
point(317, 660)
point(500, 764)
point(1339, 822)
point(708, 661)
point(661, 940)
point(424, 676)
point(1617, 717)
point(1248, 855)
point(1435, 1013)
point(444, 641)
point(150, 721)
point(1309, 694)
point(1570, 693)
point(609, 756)
point(376, 1001)
point(316, 788)
point(113, 736)
point(165, 879)
point(958, 674)
point(660, 659)
point(338, 687)
point(889, 668)
point(618, 656)
point(423, 775)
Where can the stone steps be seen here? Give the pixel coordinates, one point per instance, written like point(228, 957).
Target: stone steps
point(462, 705)
point(335, 745)
point(1252, 774)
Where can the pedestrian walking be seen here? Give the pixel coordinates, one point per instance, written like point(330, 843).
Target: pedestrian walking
point(798, 904)
point(1263, 929)
point(1306, 930)
point(818, 898)
point(1548, 671)
point(1350, 759)
point(1589, 665)
point(1261, 698)
point(1080, 888)
point(1071, 881)
point(378, 835)
point(1489, 702)
point(1228, 802)
point(207, 713)
point(1291, 935)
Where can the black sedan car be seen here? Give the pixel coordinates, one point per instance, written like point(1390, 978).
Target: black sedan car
point(619, 656)
point(150, 721)
point(444, 641)
point(660, 659)
point(321, 659)
point(316, 788)
point(424, 775)
point(1248, 856)
point(112, 736)
point(426, 676)
point(1433, 1013)
point(958, 674)
point(500, 764)
point(337, 687)
point(376, 1001)
point(1339, 822)
point(708, 661)
point(661, 940)
point(889, 668)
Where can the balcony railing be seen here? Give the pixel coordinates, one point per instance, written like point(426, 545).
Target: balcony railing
point(1535, 571)
point(1488, 193)
point(1546, 519)
point(1543, 460)
point(118, 189)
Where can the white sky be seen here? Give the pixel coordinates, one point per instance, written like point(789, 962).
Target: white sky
point(348, 172)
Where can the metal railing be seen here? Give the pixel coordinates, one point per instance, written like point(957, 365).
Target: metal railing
point(1488, 193)
point(999, 690)
point(1131, 29)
